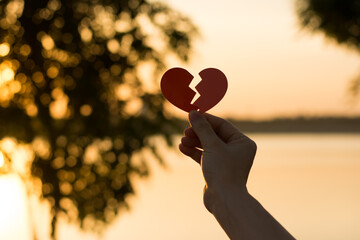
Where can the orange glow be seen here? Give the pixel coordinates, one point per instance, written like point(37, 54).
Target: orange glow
point(8, 145)
point(13, 209)
point(31, 110)
point(19, 153)
point(133, 106)
point(38, 78)
point(47, 42)
point(113, 45)
point(123, 92)
point(25, 50)
point(273, 67)
point(59, 107)
point(2, 160)
point(86, 110)
point(4, 49)
point(126, 44)
point(123, 25)
point(41, 147)
point(8, 87)
point(104, 22)
point(6, 72)
point(86, 34)
point(52, 72)
point(21, 158)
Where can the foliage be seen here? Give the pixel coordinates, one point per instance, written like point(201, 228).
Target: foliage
point(338, 19)
point(73, 84)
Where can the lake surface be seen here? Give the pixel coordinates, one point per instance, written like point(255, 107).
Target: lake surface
point(309, 182)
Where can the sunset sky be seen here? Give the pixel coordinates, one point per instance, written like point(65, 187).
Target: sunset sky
point(274, 68)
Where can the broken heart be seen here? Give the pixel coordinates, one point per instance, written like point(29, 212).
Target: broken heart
point(212, 88)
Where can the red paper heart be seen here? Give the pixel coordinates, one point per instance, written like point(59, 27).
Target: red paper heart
point(212, 88)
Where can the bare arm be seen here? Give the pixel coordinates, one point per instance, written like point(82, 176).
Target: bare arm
point(226, 156)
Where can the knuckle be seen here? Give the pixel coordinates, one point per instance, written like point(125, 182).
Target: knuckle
point(252, 145)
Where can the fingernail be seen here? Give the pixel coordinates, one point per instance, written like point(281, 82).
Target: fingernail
point(194, 115)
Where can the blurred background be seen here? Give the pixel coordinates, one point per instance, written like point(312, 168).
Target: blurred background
point(88, 145)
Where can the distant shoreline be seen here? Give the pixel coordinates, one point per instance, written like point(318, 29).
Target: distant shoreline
point(300, 125)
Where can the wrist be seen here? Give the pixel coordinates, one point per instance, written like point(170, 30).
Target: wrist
point(219, 198)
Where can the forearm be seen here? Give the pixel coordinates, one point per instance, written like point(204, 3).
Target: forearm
point(243, 217)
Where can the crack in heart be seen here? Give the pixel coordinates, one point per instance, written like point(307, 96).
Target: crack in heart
point(193, 84)
point(175, 85)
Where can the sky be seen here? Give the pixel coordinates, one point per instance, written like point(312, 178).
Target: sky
point(274, 68)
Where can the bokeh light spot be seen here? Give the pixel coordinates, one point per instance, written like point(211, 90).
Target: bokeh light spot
point(45, 99)
point(91, 154)
point(21, 77)
point(115, 69)
point(38, 77)
point(86, 110)
point(58, 162)
point(86, 34)
point(31, 110)
point(8, 145)
point(41, 147)
point(59, 22)
point(123, 92)
point(113, 45)
point(59, 107)
point(54, 5)
point(6, 74)
point(47, 188)
point(47, 42)
point(25, 50)
point(65, 188)
point(71, 161)
point(4, 49)
point(133, 106)
point(52, 72)
point(15, 86)
point(80, 184)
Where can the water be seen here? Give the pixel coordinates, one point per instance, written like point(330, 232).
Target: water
point(309, 182)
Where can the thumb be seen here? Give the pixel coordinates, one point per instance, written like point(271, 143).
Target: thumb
point(203, 130)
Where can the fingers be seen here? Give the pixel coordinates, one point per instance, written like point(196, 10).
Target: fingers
point(189, 145)
point(224, 129)
point(191, 142)
point(203, 130)
point(191, 152)
point(189, 132)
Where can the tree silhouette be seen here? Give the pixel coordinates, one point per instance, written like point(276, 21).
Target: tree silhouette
point(73, 84)
point(337, 19)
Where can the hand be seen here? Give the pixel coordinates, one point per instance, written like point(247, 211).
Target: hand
point(225, 154)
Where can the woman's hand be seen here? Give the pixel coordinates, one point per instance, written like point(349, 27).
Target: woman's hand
point(226, 156)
